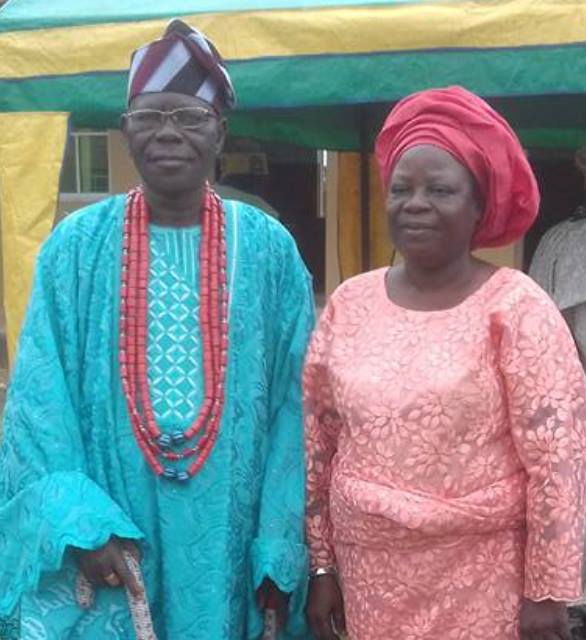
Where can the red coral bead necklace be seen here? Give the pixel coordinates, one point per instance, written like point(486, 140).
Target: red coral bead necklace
point(194, 444)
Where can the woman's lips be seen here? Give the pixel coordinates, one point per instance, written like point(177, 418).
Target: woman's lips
point(417, 231)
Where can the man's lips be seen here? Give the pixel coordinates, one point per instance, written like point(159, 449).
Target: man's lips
point(169, 162)
point(168, 159)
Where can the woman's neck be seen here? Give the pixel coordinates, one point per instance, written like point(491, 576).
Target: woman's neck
point(413, 286)
point(454, 275)
point(181, 210)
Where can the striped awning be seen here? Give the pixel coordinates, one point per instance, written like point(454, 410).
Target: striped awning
point(308, 64)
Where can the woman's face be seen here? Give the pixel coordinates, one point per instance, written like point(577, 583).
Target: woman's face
point(432, 205)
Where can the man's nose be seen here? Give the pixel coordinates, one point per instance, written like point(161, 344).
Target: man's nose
point(168, 128)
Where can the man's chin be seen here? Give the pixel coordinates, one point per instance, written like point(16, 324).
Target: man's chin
point(173, 186)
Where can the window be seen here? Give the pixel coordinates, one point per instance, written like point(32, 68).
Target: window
point(85, 166)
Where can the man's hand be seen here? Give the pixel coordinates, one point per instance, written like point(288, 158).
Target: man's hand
point(106, 567)
point(268, 596)
point(545, 620)
point(324, 606)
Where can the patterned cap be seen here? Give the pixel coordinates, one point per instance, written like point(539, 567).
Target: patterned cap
point(182, 61)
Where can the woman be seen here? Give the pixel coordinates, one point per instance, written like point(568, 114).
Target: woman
point(445, 407)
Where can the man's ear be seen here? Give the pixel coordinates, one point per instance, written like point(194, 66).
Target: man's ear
point(124, 124)
point(222, 131)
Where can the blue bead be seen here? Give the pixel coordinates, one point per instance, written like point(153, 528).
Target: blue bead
point(170, 473)
point(182, 476)
point(164, 441)
point(178, 437)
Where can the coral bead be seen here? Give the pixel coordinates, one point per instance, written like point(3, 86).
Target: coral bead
point(213, 321)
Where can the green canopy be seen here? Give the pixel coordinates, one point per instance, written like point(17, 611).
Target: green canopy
point(320, 73)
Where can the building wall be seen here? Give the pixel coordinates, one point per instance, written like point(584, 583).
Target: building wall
point(122, 176)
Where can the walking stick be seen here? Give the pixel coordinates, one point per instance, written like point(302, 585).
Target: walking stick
point(270, 626)
point(271, 619)
point(138, 605)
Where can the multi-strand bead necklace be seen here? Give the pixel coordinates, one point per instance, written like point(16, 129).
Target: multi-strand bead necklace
point(163, 451)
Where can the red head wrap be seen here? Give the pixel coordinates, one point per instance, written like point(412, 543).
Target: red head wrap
point(465, 126)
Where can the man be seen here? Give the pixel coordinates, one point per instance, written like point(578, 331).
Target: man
point(154, 405)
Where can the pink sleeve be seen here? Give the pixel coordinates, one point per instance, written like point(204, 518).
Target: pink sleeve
point(322, 427)
point(546, 395)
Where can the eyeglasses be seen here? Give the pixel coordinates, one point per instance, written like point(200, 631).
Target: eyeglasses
point(188, 118)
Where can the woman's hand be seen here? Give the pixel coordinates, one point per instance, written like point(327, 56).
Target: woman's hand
point(268, 596)
point(325, 606)
point(545, 620)
point(106, 567)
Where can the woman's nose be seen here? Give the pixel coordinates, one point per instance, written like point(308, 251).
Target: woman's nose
point(417, 200)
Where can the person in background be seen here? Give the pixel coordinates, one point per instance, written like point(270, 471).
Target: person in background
point(245, 177)
point(445, 406)
point(154, 409)
point(559, 267)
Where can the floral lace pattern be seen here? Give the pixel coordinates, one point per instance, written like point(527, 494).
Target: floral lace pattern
point(445, 458)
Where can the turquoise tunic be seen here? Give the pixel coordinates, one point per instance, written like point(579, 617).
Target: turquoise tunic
point(174, 340)
point(71, 473)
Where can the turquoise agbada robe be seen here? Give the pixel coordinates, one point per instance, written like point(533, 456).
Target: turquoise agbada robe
point(71, 473)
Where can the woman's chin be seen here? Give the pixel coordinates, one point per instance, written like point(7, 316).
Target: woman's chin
point(422, 252)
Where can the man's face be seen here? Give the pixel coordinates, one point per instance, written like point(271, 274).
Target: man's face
point(173, 154)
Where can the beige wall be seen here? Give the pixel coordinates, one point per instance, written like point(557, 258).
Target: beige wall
point(510, 256)
point(123, 175)
point(331, 248)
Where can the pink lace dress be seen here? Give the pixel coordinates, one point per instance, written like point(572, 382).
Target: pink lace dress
point(445, 459)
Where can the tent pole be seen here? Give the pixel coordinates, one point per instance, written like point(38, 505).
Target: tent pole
point(364, 190)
